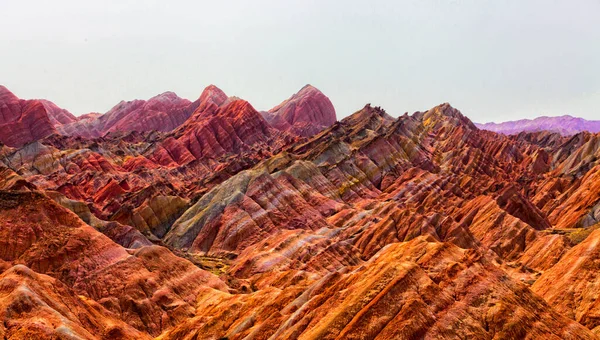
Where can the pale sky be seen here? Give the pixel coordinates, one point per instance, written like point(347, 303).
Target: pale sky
point(493, 60)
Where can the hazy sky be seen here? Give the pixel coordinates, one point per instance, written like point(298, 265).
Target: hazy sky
point(493, 60)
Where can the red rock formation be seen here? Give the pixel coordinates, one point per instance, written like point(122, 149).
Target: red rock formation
point(417, 289)
point(571, 285)
point(305, 113)
point(57, 115)
point(212, 95)
point(214, 132)
point(150, 288)
point(422, 226)
point(36, 306)
point(23, 121)
point(161, 113)
point(89, 116)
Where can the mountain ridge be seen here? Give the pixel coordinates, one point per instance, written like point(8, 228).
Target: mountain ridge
point(565, 125)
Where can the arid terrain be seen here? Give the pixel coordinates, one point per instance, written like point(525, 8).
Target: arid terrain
point(176, 219)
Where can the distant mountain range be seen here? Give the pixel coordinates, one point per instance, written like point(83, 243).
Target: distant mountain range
point(565, 125)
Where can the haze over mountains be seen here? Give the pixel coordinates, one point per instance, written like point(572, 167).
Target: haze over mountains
point(209, 219)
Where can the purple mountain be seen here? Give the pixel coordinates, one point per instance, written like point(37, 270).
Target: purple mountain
point(565, 125)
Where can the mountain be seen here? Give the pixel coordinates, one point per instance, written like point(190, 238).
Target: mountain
point(305, 113)
point(229, 225)
point(23, 121)
point(565, 125)
point(572, 279)
point(218, 128)
point(163, 112)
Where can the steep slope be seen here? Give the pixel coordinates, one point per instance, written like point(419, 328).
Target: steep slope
point(571, 286)
point(211, 95)
point(344, 196)
point(23, 121)
point(305, 113)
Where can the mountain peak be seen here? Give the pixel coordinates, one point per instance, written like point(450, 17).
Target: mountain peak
point(308, 87)
point(369, 117)
point(238, 108)
point(446, 113)
point(6, 95)
point(213, 95)
point(165, 96)
point(23, 121)
point(305, 113)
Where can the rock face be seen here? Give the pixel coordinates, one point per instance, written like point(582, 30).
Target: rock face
point(141, 286)
point(24, 121)
point(229, 225)
point(570, 285)
point(565, 125)
point(164, 112)
point(41, 307)
point(305, 113)
point(214, 132)
point(212, 95)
